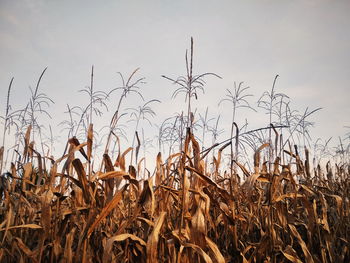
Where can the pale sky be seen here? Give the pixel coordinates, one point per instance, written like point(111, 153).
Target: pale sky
point(305, 42)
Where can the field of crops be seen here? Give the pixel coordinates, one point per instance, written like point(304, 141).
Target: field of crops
point(271, 203)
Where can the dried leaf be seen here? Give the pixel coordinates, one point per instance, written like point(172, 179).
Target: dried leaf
point(31, 226)
point(200, 252)
point(83, 180)
point(215, 250)
point(107, 209)
point(26, 141)
point(122, 237)
point(152, 242)
point(121, 159)
point(68, 253)
point(291, 255)
point(306, 251)
point(289, 195)
point(90, 137)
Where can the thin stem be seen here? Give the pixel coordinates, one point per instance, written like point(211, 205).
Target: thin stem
point(5, 123)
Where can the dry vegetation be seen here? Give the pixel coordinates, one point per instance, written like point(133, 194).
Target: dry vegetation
point(194, 208)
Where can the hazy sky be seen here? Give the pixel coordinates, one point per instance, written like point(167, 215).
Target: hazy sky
point(305, 42)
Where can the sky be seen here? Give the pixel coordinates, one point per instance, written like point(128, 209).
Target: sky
point(305, 42)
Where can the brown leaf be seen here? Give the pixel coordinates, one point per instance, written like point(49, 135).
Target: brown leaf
point(109, 187)
point(209, 181)
point(82, 178)
point(219, 258)
point(29, 253)
point(257, 157)
point(108, 163)
point(199, 251)
point(46, 212)
point(68, 253)
point(75, 142)
point(1, 154)
point(90, 137)
point(152, 242)
point(27, 172)
point(291, 255)
point(118, 238)
point(8, 222)
point(324, 220)
point(199, 225)
point(112, 174)
point(289, 195)
point(306, 251)
point(196, 151)
point(244, 170)
point(138, 145)
point(121, 159)
point(147, 197)
point(339, 202)
point(31, 226)
point(159, 170)
point(107, 209)
point(26, 141)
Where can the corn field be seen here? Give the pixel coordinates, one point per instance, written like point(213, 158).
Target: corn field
point(195, 207)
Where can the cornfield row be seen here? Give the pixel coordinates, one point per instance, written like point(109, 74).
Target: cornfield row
point(185, 212)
